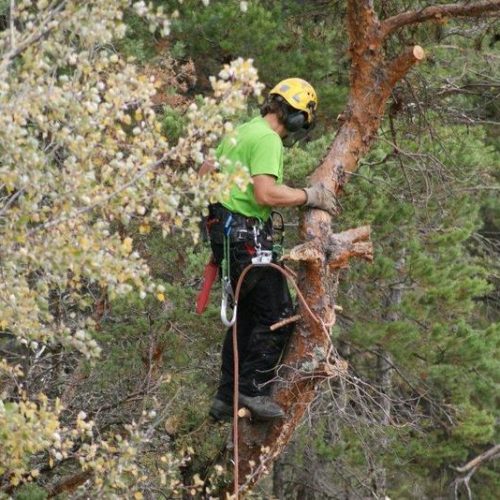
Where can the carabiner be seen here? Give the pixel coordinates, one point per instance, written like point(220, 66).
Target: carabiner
point(226, 292)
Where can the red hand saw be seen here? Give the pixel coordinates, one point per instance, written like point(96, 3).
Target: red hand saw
point(209, 276)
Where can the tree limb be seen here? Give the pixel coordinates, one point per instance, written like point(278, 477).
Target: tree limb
point(470, 468)
point(437, 12)
point(490, 454)
point(43, 30)
point(400, 65)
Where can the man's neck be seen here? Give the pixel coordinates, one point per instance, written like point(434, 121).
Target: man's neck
point(275, 124)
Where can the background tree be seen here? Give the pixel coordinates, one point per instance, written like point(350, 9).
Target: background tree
point(83, 158)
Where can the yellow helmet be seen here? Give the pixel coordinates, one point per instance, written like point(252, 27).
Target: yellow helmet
point(299, 94)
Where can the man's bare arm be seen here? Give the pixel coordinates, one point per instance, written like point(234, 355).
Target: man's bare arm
point(268, 193)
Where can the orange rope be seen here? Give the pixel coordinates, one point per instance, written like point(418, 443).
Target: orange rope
point(288, 274)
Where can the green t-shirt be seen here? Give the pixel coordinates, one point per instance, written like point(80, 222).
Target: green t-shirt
point(258, 148)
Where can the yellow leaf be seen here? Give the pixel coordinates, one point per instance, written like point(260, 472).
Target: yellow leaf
point(127, 244)
point(171, 426)
point(160, 297)
point(84, 243)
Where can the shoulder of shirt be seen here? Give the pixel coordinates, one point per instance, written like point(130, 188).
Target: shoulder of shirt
point(265, 131)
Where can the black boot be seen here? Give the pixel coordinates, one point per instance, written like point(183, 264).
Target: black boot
point(220, 410)
point(262, 407)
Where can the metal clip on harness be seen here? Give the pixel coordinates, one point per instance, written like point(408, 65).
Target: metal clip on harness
point(227, 289)
point(262, 257)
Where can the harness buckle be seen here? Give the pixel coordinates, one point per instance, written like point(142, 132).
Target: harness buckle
point(263, 257)
point(242, 234)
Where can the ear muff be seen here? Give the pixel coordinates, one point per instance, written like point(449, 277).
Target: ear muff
point(295, 121)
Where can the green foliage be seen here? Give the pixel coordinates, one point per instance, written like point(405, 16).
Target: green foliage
point(30, 492)
point(281, 37)
point(173, 124)
point(302, 159)
point(140, 41)
point(440, 339)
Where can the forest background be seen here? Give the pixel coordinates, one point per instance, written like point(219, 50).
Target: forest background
point(126, 368)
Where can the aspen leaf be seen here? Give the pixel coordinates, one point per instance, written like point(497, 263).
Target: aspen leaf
point(127, 244)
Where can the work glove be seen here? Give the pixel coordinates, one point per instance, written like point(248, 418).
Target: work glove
point(318, 196)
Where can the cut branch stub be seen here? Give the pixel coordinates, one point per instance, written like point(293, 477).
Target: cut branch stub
point(352, 243)
point(310, 252)
point(398, 67)
point(355, 235)
point(363, 250)
point(340, 248)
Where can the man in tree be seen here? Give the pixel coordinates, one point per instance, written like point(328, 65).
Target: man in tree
point(240, 225)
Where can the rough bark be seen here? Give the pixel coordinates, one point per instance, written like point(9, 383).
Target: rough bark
point(311, 356)
point(278, 480)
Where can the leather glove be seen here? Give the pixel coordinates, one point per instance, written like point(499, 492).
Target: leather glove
point(318, 196)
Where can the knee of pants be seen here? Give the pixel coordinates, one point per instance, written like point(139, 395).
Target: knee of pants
point(266, 342)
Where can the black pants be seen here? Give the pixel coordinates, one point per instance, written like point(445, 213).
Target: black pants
point(264, 300)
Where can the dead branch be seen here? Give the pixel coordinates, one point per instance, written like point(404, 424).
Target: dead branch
point(490, 454)
point(470, 468)
point(286, 321)
point(68, 483)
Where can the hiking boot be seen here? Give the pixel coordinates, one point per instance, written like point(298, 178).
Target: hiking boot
point(262, 407)
point(220, 410)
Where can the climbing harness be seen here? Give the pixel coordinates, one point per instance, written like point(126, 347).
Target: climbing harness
point(261, 257)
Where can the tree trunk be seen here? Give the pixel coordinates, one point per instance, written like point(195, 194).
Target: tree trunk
point(311, 356)
point(385, 373)
point(278, 480)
